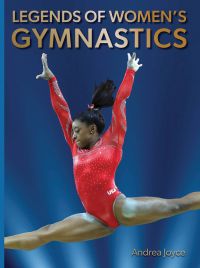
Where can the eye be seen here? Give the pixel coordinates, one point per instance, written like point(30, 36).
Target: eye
point(75, 130)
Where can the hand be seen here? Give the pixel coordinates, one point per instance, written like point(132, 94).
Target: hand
point(133, 62)
point(46, 74)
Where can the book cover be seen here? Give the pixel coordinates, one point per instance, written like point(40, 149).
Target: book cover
point(87, 43)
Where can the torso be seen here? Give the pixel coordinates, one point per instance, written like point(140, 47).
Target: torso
point(94, 171)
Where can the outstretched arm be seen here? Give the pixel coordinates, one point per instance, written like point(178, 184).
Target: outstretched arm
point(59, 104)
point(117, 130)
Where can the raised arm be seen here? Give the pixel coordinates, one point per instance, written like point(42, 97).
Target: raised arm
point(61, 108)
point(117, 129)
point(59, 104)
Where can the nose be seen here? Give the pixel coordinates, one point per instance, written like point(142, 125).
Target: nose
point(74, 136)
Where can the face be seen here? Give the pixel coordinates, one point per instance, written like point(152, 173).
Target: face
point(82, 133)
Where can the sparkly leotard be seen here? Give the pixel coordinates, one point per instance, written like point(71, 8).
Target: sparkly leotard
point(94, 168)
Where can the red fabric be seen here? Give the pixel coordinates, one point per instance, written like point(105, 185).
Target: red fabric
point(94, 168)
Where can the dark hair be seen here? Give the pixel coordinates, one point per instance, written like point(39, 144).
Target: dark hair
point(102, 97)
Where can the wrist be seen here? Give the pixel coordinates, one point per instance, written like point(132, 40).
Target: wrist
point(52, 79)
point(49, 74)
point(130, 69)
point(129, 66)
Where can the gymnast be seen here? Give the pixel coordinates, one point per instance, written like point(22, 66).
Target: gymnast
point(96, 157)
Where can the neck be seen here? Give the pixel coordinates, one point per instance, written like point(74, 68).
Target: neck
point(94, 140)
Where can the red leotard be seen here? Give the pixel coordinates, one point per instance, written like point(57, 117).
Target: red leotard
point(94, 168)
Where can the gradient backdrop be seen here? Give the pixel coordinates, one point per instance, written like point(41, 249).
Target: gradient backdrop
point(161, 151)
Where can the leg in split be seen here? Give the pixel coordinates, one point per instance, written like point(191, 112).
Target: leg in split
point(78, 227)
point(143, 210)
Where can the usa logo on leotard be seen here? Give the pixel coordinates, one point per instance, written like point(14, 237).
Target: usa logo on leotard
point(111, 191)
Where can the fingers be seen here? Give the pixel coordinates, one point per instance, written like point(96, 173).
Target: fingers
point(129, 56)
point(133, 55)
point(44, 55)
point(44, 60)
point(133, 62)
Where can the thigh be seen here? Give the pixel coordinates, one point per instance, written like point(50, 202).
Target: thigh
point(135, 210)
point(77, 227)
point(142, 210)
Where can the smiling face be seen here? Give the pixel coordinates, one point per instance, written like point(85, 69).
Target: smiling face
point(83, 134)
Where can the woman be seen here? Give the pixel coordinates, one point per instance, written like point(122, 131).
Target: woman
point(95, 160)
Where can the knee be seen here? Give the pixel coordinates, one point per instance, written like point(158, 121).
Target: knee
point(44, 234)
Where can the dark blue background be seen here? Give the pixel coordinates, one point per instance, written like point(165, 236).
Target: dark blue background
point(161, 150)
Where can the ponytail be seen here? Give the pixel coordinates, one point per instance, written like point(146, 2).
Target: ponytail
point(102, 97)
